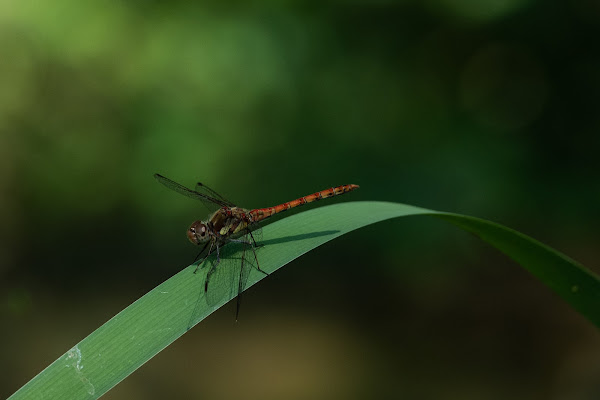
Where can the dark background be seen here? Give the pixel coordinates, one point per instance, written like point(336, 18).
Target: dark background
point(488, 108)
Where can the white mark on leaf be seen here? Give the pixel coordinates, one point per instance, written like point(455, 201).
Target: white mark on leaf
point(73, 359)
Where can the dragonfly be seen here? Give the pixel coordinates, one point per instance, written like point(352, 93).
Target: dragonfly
point(228, 223)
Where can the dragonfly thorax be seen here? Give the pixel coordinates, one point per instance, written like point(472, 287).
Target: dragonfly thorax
point(198, 232)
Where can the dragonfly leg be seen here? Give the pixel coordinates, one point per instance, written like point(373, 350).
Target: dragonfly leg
point(203, 259)
point(198, 256)
point(254, 246)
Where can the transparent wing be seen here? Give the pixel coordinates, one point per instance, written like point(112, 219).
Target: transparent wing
point(208, 200)
point(228, 278)
point(217, 287)
point(222, 285)
point(202, 188)
point(242, 278)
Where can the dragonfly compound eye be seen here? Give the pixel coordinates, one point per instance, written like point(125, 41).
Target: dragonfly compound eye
point(197, 232)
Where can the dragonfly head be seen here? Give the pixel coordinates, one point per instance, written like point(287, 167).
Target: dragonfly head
point(198, 232)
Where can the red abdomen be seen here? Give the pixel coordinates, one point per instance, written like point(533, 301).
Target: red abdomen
point(261, 213)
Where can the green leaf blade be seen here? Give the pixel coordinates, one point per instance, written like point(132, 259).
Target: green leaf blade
point(143, 329)
point(570, 280)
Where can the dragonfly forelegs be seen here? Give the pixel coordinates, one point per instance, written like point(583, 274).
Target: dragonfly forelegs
point(210, 250)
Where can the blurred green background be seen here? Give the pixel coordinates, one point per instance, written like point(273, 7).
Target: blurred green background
point(489, 108)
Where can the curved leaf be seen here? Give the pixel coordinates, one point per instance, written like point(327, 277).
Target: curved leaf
point(139, 332)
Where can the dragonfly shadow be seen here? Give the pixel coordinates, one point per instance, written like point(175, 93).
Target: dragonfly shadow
point(293, 238)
